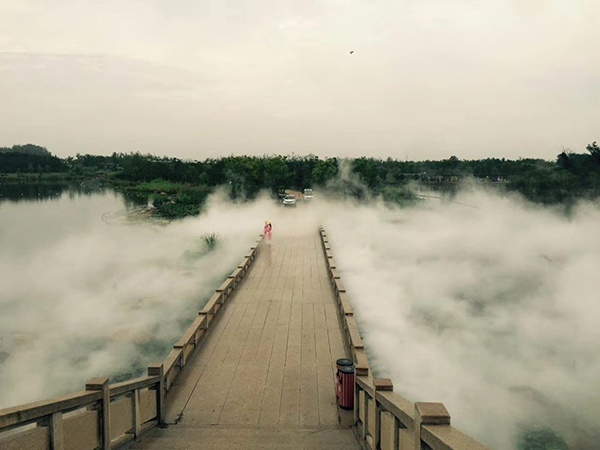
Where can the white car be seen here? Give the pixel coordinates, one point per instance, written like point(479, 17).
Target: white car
point(308, 195)
point(289, 200)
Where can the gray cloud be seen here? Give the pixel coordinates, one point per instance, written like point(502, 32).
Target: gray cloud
point(427, 79)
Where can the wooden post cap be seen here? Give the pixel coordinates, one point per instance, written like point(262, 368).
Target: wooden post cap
point(432, 413)
point(383, 384)
point(361, 369)
point(155, 369)
point(96, 384)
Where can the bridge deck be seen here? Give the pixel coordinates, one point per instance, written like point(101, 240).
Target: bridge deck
point(264, 378)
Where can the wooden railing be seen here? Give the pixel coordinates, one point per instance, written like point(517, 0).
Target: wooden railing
point(103, 416)
point(111, 416)
point(383, 419)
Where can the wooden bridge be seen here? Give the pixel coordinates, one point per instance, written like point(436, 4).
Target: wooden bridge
point(255, 370)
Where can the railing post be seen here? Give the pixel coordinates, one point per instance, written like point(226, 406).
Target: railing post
point(361, 412)
point(429, 414)
point(356, 402)
point(205, 314)
point(396, 433)
point(157, 370)
point(365, 431)
point(56, 432)
point(137, 414)
point(182, 359)
point(101, 384)
point(379, 384)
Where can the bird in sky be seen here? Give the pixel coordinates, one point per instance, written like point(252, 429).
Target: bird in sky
point(351, 51)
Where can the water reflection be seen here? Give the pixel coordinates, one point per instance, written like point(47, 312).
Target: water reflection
point(31, 192)
point(28, 192)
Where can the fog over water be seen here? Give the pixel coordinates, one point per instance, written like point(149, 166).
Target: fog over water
point(489, 308)
point(83, 297)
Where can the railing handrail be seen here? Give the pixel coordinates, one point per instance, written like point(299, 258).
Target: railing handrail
point(134, 384)
point(402, 408)
point(172, 360)
point(446, 437)
point(23, 414)
point(189, 334)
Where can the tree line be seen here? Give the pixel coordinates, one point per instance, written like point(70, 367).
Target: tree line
point(29, 158)
point(571, 176)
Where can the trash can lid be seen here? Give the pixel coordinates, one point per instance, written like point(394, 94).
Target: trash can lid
point(344, 362)
point(347, 369)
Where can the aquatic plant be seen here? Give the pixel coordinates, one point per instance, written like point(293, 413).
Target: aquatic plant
point(211, 241)
point(541, 439)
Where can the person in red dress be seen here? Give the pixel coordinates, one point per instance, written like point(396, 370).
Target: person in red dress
point(267, 230)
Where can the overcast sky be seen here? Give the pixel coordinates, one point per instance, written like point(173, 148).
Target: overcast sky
point(195, 79)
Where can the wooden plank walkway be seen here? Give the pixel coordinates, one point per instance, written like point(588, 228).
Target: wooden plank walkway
point(264, 378)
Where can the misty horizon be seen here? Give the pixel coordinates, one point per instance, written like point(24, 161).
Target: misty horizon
point(303, 155)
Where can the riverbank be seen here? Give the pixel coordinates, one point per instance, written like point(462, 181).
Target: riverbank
point(171, 200)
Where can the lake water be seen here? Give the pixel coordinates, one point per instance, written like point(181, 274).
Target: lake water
point(34, 214)
point(91, 286)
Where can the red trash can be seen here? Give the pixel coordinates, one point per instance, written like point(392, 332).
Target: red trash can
point(342, 362)
point(346, 397)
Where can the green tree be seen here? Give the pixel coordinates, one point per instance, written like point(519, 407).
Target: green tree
point(563, 160)
point(495, 174)
point(323, 171)
point(594, 151)
point(277, 174)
